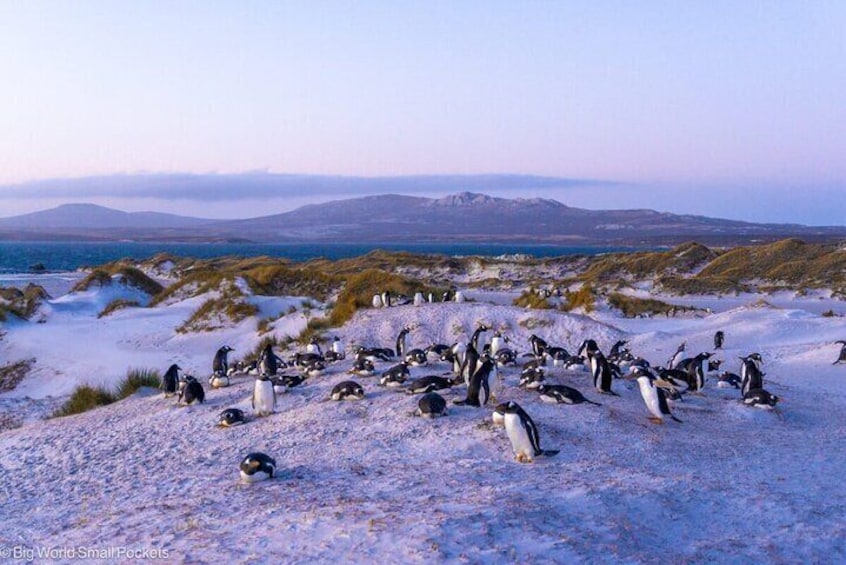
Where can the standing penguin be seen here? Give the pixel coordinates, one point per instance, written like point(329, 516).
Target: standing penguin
point(338, 347)
point(602, 373)
point(475, 338)
point(386, 299)
point(264, 396)
point(268, 361)
point(751, 376)
point(314, 346)
point(523, 433)
point(719, 337)
point(170, 380)
point(418, 299)
point(677, 356)
point(841, 358)
point(498, 342)
point(654, 397)
point(479, 389)
point(220, 365)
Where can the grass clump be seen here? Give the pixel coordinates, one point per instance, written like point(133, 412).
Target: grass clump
point(87, 397)
point(282, 280)
point(215, 313)
point(632, 307)
point(531, 299)
point(118, 304)
point(584, 298)
point(98, 277)
point(21, 303)
point(135, 379)
point(359, 290)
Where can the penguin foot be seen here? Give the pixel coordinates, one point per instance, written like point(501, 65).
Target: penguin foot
point(523, 458)
point(656, 420)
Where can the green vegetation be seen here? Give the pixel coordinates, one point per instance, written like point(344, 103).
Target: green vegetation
point(214, 312)
point(632, 306)
point(87, 397)
point(282, 280)
point(13, 373)
point(584, 298)
point(21, 303)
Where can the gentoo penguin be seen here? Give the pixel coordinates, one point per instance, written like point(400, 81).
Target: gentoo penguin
point(479, 389)
point(505, 356)
point(562, 394)
point(386, 299)
point(719, 337)
point(428, 384)
point(395, 376)
point(602, 373)
point(431, 298)
point(269, 362)
point(418, 299)
point(438, 349)
point(728, 380)
point(377, 301)
point(523, 433)
point(347, 390)
point(498, 341)
point(696, 367)
point(841, 358)
point(457, 355)
point(618, 349)
point(304, 360)
point(191, 390)
point(220, 365)
point(538, 345)
point(364, 367)
point(751, 376)
point(431, 405)
point(314, 346)
point(218, 381)
point(314, 369)
point(264, 396)
point(459, 296)
point(760, 398)
point(532, 377)
point(374, 353)
point(414, 357)
point(559, 356)
point(474, 339)
point(231, 417)
point(281, 383)
point(338, 347)
point(655, 399)
point(170, 380)
point(257, 467)
point(470, 364)
point(587, 348)
point(677, 356)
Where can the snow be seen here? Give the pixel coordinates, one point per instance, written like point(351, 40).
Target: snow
point(367, 481)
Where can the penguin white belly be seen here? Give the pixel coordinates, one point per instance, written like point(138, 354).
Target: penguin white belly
point(255, 477)
point(264, 398)
point(520, 441)
point(650, 398)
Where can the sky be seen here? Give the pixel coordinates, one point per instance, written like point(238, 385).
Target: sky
point(731, 109)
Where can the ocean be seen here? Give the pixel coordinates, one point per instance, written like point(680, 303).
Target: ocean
point(21, 256)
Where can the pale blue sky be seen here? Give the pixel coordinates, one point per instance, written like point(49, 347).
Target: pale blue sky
point(697, 107)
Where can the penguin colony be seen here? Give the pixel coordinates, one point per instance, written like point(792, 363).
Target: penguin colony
point(476, 366)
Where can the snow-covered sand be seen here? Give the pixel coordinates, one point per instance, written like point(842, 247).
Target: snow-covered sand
point(366, 481)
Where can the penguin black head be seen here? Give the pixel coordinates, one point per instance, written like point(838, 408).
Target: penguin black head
point(509, 407)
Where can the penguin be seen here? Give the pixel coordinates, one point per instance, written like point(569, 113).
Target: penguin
point(459, 297)
point(338, 347)
point(602, 373)
point(347, 390)
point(562, 394)
point(431, 298)
point(618, 349)
point(470, 364)
point(505, 356)
point(374, 353)
point(437, 349)
point(264, 396)
point(304, 360)
point(559, 356)
point(760, 398)
point(418, 299)
point(728, 380)
point(574, 363)
point(191, 390)
point(220, 364)
point(386, 299)
point(523, 433)
point(395, 376)
point(458, 353)
point(431, 405)
point(377, 301)
point(314, 369)
point(218, 381)
point(231, 417)
point(428, 384)
point(415, 357)
point(498, 342)
point(532, 377)
point(696, 368)
point(332, 357)
point(538, 345)
point(314, 346)
point(751, 376)
point(719, 338)
point(677, 356)
point(170, 380)
point(479, 389)
point(257, 467)
point(363, 367)
point(587, 348)
point(655, 399)
point(841, 358)
point(474, 339)
point(281, 383)
point(269, 362)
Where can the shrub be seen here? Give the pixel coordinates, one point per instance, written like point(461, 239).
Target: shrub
point(137, 278)
point(98, 276)
point(632, 306)
point(583, 298)
point(531, 299)
point(135, 379)
point(85, 398)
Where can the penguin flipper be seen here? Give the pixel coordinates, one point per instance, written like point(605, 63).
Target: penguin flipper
point(592, 402)
point(676, 419)
point(550, 452)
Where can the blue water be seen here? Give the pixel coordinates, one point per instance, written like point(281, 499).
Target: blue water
point(19, 257)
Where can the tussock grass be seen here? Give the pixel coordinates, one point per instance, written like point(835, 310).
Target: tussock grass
point(87, 397)
point(21, 303)
point(118, 304)
point(584, 298)
point(282, 280)
point(631, 306)
point(214, 313)
point(531, 299)
point(99, 277)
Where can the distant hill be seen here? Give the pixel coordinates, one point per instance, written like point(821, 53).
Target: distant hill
point(461, 217)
